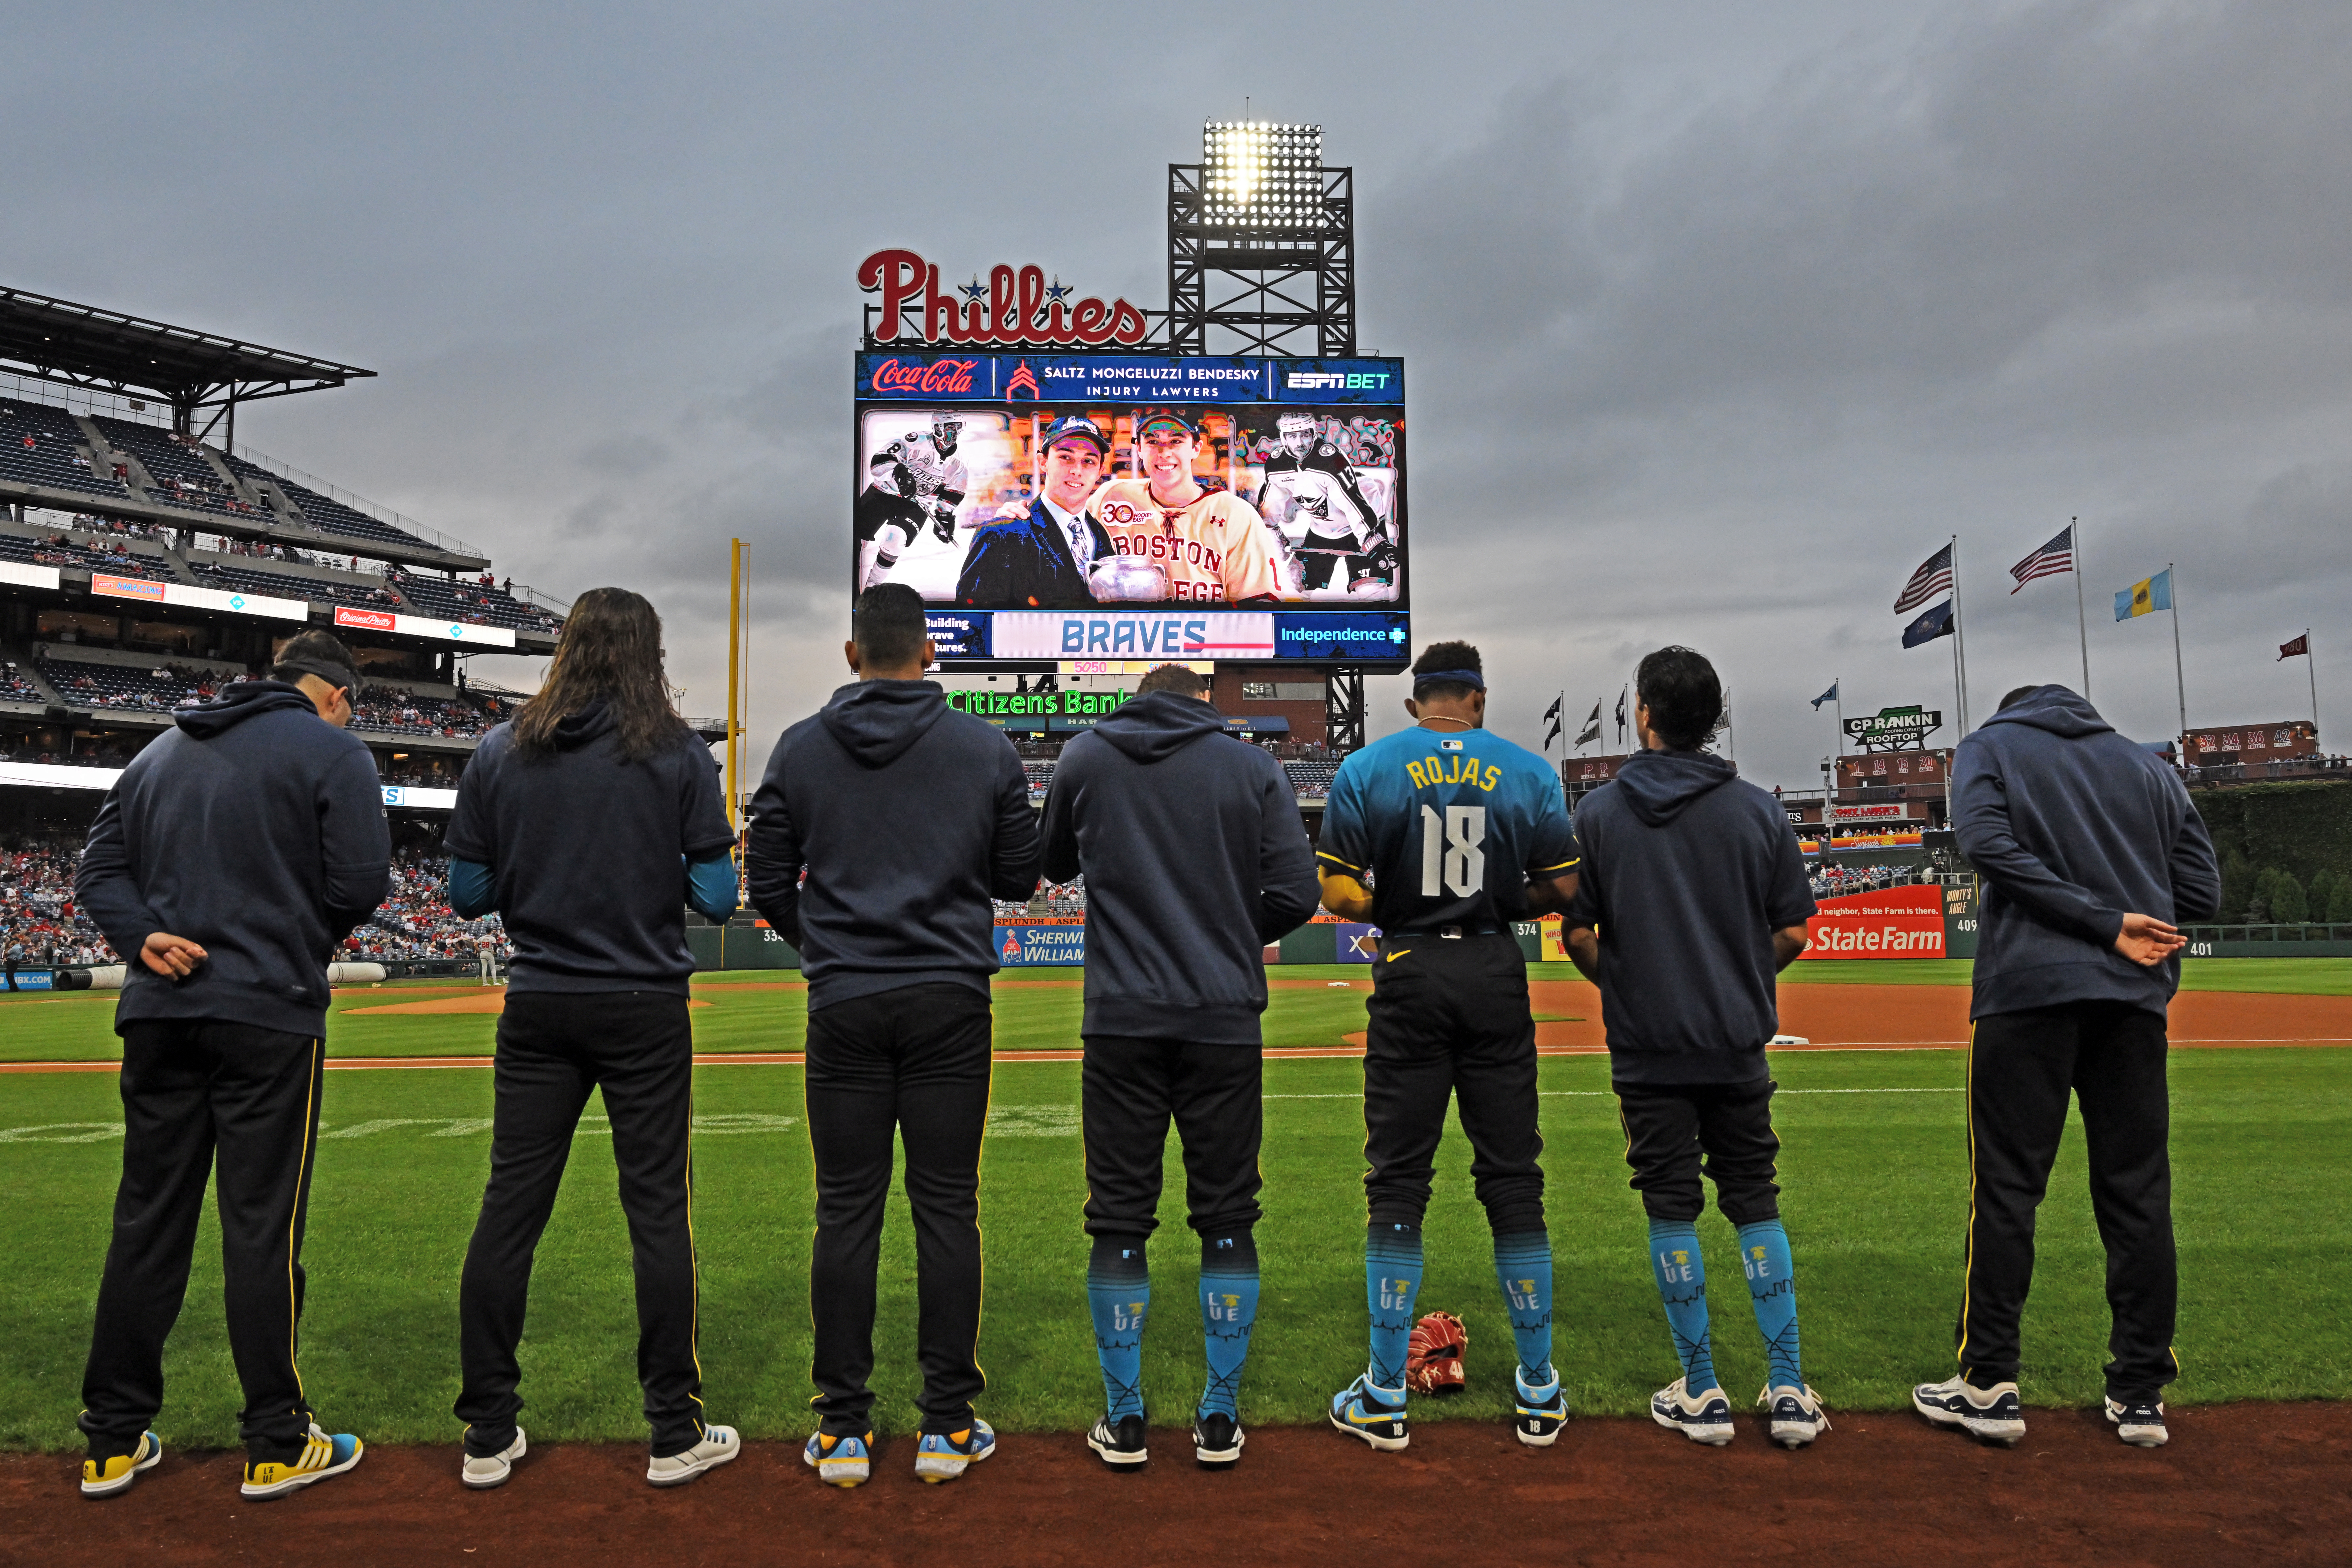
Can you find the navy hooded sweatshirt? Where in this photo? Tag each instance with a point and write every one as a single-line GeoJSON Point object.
{"type": "Point", "coordinates": [1688, 870]}
{"type": "Point", "coordinates": [1194, 856]}
{"type": "Point", "coordinates": [2071, 826]}
{"type": "Point", "coordinates": [257, 831]}
{"type": "Point", "coordinates": [909, 817]}
{"type": "Point", "coordinates": [584, 849]}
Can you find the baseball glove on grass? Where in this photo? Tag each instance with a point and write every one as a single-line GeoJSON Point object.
{"type": "Point", "coordinates": [1432, 1362]}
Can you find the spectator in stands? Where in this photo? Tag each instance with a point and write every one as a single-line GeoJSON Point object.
{"type": "Point", "coordinates": [225, 864]}
{"type": "Point", "coordinates": [2088, 849]}
{"type": "Point", "coordinates": [896, 939]}
{"type": "Point", "coordinates": [1195, 858]}
{"type": "Point", "coordinates": [596, 1000]}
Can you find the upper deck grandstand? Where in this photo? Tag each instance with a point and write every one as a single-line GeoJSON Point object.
{"type": "Point", "coordinates": [148, 560]}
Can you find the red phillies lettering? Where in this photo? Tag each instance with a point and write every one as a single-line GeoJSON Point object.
{"type": "Point", "coordinates": [1014, 308]}
{"type": "Point", "coordinates": [900, 274]}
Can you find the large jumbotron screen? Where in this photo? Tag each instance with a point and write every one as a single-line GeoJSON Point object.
{"type": "Point", "coordinates": [1093, 506]}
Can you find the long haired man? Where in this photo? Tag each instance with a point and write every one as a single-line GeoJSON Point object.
{"type": "Point", "coordinates": [590, 821]}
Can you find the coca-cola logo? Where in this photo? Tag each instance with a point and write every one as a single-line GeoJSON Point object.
{"type": "Point", "coordinates": [1016, 306]}
{"type": "Point", "coordinates": [946, 375]}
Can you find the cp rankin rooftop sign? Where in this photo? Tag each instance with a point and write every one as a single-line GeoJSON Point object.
{"type": "Point", "coordinates": [1896, 726]}
{"type": "Point", "coordinates": [1015, 306]}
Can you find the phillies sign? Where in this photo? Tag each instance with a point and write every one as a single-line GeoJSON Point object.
{"type": "Point", "coordinates": [1015, 306]}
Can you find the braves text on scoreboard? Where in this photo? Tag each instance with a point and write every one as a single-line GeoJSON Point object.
{"type": "Point", "coordinates": [1057, 505]}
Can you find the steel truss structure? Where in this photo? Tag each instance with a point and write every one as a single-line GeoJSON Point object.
{"type": "Point", "coordinates": [1287, 292]}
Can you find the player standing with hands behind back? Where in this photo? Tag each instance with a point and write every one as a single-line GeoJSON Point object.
{"type": "Point", "coordinates": [1699, 890]}
{"type": "Point", "coordinates": [1461, 833]}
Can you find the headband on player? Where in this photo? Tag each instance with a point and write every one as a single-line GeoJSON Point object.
{"type": "Point", "coordinates": [1469, 678]}
{"type": "Point", "coordinates": [332, 674]}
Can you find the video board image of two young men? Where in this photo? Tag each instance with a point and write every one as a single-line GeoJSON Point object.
{"type": "Point", "coordinates": [1040, 509]}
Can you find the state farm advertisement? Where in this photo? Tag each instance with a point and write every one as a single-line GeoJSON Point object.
{"type": "Point", "coordinates": [1895, 923]}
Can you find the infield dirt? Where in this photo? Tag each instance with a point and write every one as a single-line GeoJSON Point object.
{"type": "Point", "coordinates": [2241, 1484]}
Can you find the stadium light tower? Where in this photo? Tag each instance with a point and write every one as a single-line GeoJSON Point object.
{"type": "Point", "coordinates": [1261, 244]}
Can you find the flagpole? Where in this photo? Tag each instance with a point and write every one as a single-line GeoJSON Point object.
{"type": "Point", "coordinates": [1837, 753]}
{"type": "Point", "coordinates": [2180, 680]}
{"type": "Point", "coordinates": [2311, 668]}
{"type": "Point", "coordinates": [2081, 626]}
{"type": "Point", "coordinates": [1959, 642]}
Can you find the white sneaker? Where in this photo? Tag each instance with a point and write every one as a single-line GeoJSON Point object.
{"type": "Point", "coordinates": [719, 1447]}
{"type": "Point", "coordinates": [484, 1471]}
{"type": "Point", "coordinates": [1988, 1414]}
{"type": "Point", "coordinates": [2139, 1423]}
{"type": "Point", "coordinates": [1797, 1414]}
{"type": "Point", "coordinates": [1701, 1417]}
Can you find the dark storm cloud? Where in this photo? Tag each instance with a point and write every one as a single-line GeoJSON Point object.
{"type": "Point", "coordinates": [1729, 388]}
{"type": "Point", "coordinates": [1718, 317]}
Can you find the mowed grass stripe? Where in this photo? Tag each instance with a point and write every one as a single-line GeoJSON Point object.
{"type": "Point", "coordinates": [1875, 1181]}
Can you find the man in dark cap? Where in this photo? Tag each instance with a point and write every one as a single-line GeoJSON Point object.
{"type": "Point", "coordinates": [227, 864]}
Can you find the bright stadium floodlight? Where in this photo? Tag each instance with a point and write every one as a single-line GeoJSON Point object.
{"type": "Point", "coordinates": [1261, 175]}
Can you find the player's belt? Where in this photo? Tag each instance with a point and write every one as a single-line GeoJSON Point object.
{"type": "Point", "coordinates": [1450, 934]}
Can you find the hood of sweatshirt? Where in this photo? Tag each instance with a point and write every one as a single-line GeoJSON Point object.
{"type": "Point", "coordinates": [1661, 786]}
{"type": "Point", "coordinates": [876, 720]}
{"type": "Point", "coordinates": [1154, 728]}
{"type": "Point", "coordinates": [237, 704]}
{"type": "Point", "coordinates": [2055, 709]}
{"type": "Point", "coordinates": [581, 725]}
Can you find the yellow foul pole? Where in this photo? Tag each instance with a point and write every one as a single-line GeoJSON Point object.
{"type": "Point", "coordinates": [734, 674]}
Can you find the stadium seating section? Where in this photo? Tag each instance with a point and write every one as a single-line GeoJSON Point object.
{"type": "Point", "coordinates": [16, 687]}
{"type": "Point", "coordinates": [438, 598]}
{"type": "Point", "coordinates": [287, 586]}
{"type": "Point", "coordinates": [414, 918]}
{"type": "Point", "coordinates": [39, 921]}
{"type": "Point", "coordinates": [156, 690]}
{"type": "Point", "coordinates": [67, 555]}
{"type": "Point", "coordinates": [322, 512]}
{"type": "Point", "coordinates": [182, 477]}
{"type": "Point", "coordinates": [42, 446]}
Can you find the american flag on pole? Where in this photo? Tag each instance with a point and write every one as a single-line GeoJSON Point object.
{"type": "Point", "coordinates": [1934, 576]}
{"type": "Point", "coordinates": [2052, 559]}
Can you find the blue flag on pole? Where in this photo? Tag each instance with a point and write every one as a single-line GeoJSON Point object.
{"type": "Point", "coordinates": [1933, 623]}
{"type": "Point", "coordinates": [2146, 596]}
{"type": "Point", "coordinates": [1829, 695]}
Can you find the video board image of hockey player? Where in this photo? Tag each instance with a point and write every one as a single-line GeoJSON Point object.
{"type": "Point", "coordinates": [927, 479]}
{"type": "Point", "coordinates": [1178, 534]}
{"type": "Point", "coordinates": [1335, 514]}
{"type": "Point", "coordinates": [914, 482]}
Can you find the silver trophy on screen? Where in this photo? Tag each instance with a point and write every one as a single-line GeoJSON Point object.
{"type": "Point", "coordinates": [1124, 579]}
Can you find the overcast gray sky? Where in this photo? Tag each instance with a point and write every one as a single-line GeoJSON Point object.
{"type": "Point", "coordinates": [1717, 317]}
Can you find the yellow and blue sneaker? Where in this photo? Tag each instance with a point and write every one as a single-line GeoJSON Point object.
{"type": "Point", "coordinates": [944, 1456]}
{"type": "Point", "coordinates": [1364, 1409]}
{"type": "Point", "coordinates": [841, 1461]}
{"type": "Point", "coordinates": [1541, 1411]}
{"type": "Point", "coordinates": [322, 1456]}
{"type": "Point", "coordinates": [104, 1478]}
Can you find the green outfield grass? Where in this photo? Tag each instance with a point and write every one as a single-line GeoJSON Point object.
{"type": "Point", "coordinates": [762, 1010]}
{"type": "Point", "coordinates": [1875, 1173]}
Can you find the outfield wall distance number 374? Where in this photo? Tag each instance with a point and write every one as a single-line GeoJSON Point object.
{"type": "Point", "coordinates": [1453, 850]}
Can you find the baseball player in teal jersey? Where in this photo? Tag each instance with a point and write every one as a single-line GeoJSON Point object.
{"type": "Point", "coordinates": [1442, 836]}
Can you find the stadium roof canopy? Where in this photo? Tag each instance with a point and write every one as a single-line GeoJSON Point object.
{"type": "Point", "coordinates": [81, 346]}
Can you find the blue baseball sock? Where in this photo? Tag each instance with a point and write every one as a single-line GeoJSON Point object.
{"type": "Point", "coordinates": [1523, 1267]}
{"type": "Point", "coordinates": [1682, 1285]}
{"type": "Point", "coordinates": [1391, 1282]}
{"type": "Point", "coordinates": [1119, 1294]}
{"type": "Point", "coordinates": [1772, 1287]}
{"type": "Point", "coordinates": [1228, 1312]}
